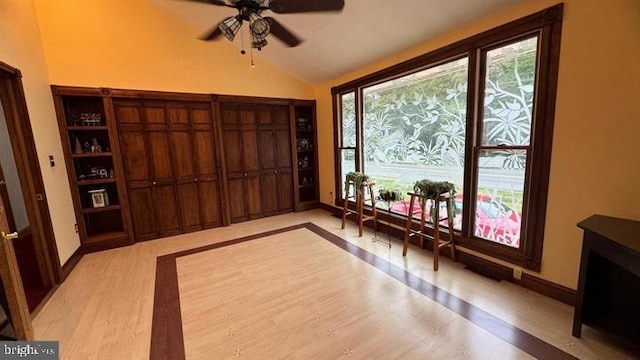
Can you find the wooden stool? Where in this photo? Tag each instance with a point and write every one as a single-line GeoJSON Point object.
{"type": "Point", "coordinates": [408, 232]}
{"type": "Point", "coordinates": [359, 196]}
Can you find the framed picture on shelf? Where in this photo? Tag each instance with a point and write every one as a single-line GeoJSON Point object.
{"type": "Point", "coordinates": [99, 198]}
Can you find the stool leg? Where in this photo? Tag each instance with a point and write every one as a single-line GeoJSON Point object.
{"type": "Point", "coordinates": [346, 204]}
{"type": "Point", "coordinates": [373, 207]}
{"type": "Point", "coordinates": [450, 217]}
{"type": "Point", "coordinates": [423, 209]}
{"type": "Point", "coordinates": [436, 234]}
{"type": "Point", "coordinates": [360, 209]}
{"type": "Point", "coordinates": [407, 228]}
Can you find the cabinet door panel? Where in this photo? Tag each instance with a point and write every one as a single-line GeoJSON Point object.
{"type": "Point", "coordinates": [182, 154]}
{"type": "Point", "coordinates": [210, 207]}
{"type": "Point", "coordinates": [164, 203]}
{"type": "Point", "coordinates": [134, 156]}
{"type": "Point", "coordinates": [178, 114]}
{"type": "Point", "coordinates": [236, 200]}
{"type": "Point", "coordinates": [282, 148]}
{"type": "Point", "coordinates": [232, 152]}
{"type": "Point", "coordinates": [154, 114]}
{"type": "Point", "coordinates": [189, 206]}
{"type": "Point", "coordinates": [267, 156]}
{"type": "Point", "coordinates": [160, 158]}
{"type": "Point", "coordinates": [269, 193]}
{"type": "Point", "coordinates": [284, 182]}
{"type": "Point", "coordinates": [205, 153]}
{"type": "Point", "coordinates": [201, 115]}
{"type": "Point", "coordinates": [127, 112]}
{"type": "Point", "coordinates": [253, 197]}
{"type": "Point", "coordinates": [141, 206]}
{"type": "Point", "coordinates": [250, 150]}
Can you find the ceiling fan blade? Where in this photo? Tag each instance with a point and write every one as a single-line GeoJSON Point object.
{"type": "Point", "coordinates": [213, 2]}
{"type": "Point", "coordinates": [282, 33]}
{"type": "Point", "coordinates": [212, 34]}
{"type": "Point", "coordinates": [302, 6]}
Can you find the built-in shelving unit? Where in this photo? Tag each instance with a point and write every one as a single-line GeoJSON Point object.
{"type": "Point", "coordinates": [304, 139]}
{"type": "Point", "coordinates": [87, 134]}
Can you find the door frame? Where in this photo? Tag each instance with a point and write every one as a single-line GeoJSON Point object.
{"type": "Point", "coordinates": [24, 150]}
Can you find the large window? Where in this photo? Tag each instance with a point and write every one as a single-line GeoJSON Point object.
{"type": "Point", "coordinates": [479, 114]}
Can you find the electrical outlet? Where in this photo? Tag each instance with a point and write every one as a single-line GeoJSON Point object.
{"type": "Point", "coordinates": [517, 273]}
{"type": "Point", "coordinates": [75, 226]}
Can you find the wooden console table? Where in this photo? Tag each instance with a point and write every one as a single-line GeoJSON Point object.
{"type": "Point", "coordinates": [609, 282]}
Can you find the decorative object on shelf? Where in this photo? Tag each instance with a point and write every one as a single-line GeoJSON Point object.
{"type": "Point", "coordinates": [112, 173]}
{"type": "Point", "coordinates": [87, 147]}
{"type": "Point", "coordinates": [303, 124]}
{"type": "Point", "coordinates": [304, 144]}
{"type": "Point", "coordinates": [77, 146]}
{"type": "Point", "coordinates": [305, 180]}
{"type": "Point", "coordinates": [95, 172]}
{"type": "Point", "coordinates": [90, 119]}
{"type": "Point", "coordinates": [305, 162]}
{"type": "Point", "coordinates": [99, 198]}
{"type": "Point", "coordinates": [95, 146]}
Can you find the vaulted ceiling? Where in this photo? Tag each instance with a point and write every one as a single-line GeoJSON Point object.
{"type": "Point", "coordinates": [337, 43]}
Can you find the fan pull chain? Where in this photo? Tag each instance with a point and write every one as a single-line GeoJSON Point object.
{"type": "Point", "coordinates": [242, 42]}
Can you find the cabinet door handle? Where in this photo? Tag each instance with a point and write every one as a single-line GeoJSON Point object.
{"type": "Point", "coordinates": [245, 174]}
{"type": "Point", "coordinates": [275, 171]}
{"type": "Point", "coordinates": [195, 179]}
{"type": "Point", "coordinates": [153, 182]}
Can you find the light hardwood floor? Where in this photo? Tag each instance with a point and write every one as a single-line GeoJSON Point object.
{"type": "Point", "coordinates": [283, 300]}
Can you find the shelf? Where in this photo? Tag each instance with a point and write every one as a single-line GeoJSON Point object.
{"type": "Point", "coordinates": [91, 155]}
{"type": "Point", "coordinates": [305, 150]}
{"type": "Point", "coordinates": [308, 131]}
{"type": "Point", "coordinates": [306, 185]}
{"type": "Point", "coordinates": [309, 168]}
{"type": "Point", "coordinates": [100, 209]}
{"type": "Point", "coordinates": [110, 235]}
{"type": "Point", "coordinates": [96, 181]}
{"type": "Point", "coordinates": [87, 128]}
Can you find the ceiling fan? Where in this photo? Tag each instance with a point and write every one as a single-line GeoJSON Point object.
{"type": "Point", "coordinates": [259, 27]}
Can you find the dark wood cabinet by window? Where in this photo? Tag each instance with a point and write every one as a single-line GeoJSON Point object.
{"type": "Point", "coordinates": [305, 140]}
{"type": "Point", "coordinates": [87, 131]}
{"type": "Point", "coordinates": [168, 152]}
{"type": "Point", "coordinates": [257, 153]}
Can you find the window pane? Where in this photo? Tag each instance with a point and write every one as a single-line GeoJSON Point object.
{"type": "Point", "coordinates": [509, 85]}
{"type": "Point", "coordinates": [414, 128]}
{"type": "Point", "coordinates": [347, 164]}
{"type": "Point", "coordinates": [348, 120]}
{"type": "Point", "coordinates": [500, 195]}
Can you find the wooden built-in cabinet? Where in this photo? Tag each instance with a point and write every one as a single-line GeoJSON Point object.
{"type": "Point", "coordinates": [171, 163]}
{"type": "Point", "coordinates": [257, 153]}
{"type": "Point", "coordinates": [169, 156]}
{"type": "Point", "coordinates": [90, 146]}
{"type": "Point", "coordinates": [304, 139]}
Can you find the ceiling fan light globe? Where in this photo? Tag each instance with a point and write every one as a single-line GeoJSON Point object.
{"type": "Point", "coordinates": [259, 26]}
{"type": "Point", "coordinates": [230, 27]}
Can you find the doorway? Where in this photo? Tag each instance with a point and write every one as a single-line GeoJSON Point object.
{"type": "Point", "coordinates": [22, 192]}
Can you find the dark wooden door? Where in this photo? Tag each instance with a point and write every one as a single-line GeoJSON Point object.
{"type": "Point", "coordinates": [275, 159]}
{"type": "Point", "coordinates": [168, 151]}
{"type": "Point", "coordinates": [258, 160]}
{"type": "Point", "coordinates": [240, 140]}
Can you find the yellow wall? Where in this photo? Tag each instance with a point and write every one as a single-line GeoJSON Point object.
{"type": "Point", "coordinates": [21, 48]}
{"type": "Point", "coordinates": [134, 44]}
{"type": "Point", "coordinates": [594, 166]}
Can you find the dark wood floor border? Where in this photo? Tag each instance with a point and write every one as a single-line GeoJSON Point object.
{"type": "Point", "coordinates": [167, 337]}
{"type": "Point", "coordinates": [486, 267]}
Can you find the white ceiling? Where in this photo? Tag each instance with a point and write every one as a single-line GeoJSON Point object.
{"type": "Point", "coordinates": [337, 43]}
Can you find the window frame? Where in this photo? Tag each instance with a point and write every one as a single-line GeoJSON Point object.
{"type": "Point", "coordinates": [547, 25]}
